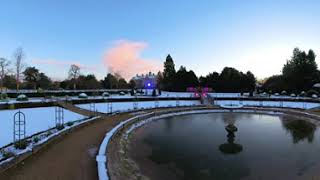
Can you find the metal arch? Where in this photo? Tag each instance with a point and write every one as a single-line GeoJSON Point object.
{"type": "Point", "coordinates": [19, 126]}
{"type": "Point", "coordinates": [59, 115]}
{"type": "Point", "coordinates": [109, 107]}
{"type": "Point", "coordinates": [92, 106]}
{"type": "Point", "coordinates": [177, 102]}
{"type": "Point", "coordinates": [281, 104]}
{"type": "Point", "coordinates": [135, 103]}
{"type": "Point", "coordinates": [156, 103]}
{"type": "Point", "coordinates": [260, 103]}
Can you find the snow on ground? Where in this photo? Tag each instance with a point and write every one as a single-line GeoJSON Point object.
{"type": "Point", "coordinates": [37, 119]}
{"type": "Point", "coordinates": [229, 95]}
{"type": "Point", "coordinates": [302, 105]}
{"type": "Point", "coordinates": [125, 106]}
{"type": "Point", "coordinates": [176, 94]}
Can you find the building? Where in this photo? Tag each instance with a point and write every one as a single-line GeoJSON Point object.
{"type": "Point", "coordinates": [145, 81]}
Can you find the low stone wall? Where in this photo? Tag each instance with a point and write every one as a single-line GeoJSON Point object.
{"type": "Point", "coordinates": [118, 134]}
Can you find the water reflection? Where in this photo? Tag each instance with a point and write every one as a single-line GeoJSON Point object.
{"type": "Point", "coordinates": [300, 130]}
{"type": "Point", "coordinates": [231, 147]}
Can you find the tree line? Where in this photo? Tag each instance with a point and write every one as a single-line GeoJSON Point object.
{"type": "Point", "coordinates": [229, 80]}
{"type": "Point", "coordinates": [299, 73]}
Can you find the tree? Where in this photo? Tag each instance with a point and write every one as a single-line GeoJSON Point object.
{"type": "Point", "coordinates": [18, 55]}
{"type": "Point", "coordinates": [184, 79]}
{"type": "Point", "coordinates": [44, 81]}
{"type": "Point", "coordinates": [88, 82]}
{"type": "Point", "coordinates": [110, 82]}
{"type": "Point", "coordinates": [160, 80]}
{"type": "Point", "coordinates": [132, 84]}
{"type": "Point", "coordinates": [169, 73]}
{"type": "Point", "coordinates": [9, 81]}
{"type": "Point", "coordinates": [4, 64]}
{"type": "Point", "coordinates": [300, 72]}
{"type": "Point", "coordinates": [249, 82]}
{"type": "Point", "coordinates": [229, 80]}
{"type": "Point", "coordinates": [122, 84]}
{"type": "Point", "coordinates": [211, 80]}
{"type": "Point", "coordinates": [31, 75]}
{"type": "Point", "coordinates": [74, 73]}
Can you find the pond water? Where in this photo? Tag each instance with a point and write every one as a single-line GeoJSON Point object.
{"type": "Point", "coordinates": [198, 147]}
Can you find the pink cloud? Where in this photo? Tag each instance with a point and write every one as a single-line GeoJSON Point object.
{"type": "Point", "coordinates": [63, 64]}
{"type": "Point", "coordinates": [125, 58]}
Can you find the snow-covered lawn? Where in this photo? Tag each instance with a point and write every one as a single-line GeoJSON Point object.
{"type": "Point", "coordinates": [176, 94]}
{"type": "Point", "coordinates": [302, 105]}
{"type": "Point", "coordinates": [37, 119]}
{"type": "Point", "coordinates": [125, 106]}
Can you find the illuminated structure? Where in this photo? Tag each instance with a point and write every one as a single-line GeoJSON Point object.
{"type": "Point", "coordinates": [146, 82]}
{"type": "Point", "coordinates": [199, 91]}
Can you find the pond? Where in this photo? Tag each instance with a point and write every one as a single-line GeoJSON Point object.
{"type": "Point", "coordinates": [199, 147]}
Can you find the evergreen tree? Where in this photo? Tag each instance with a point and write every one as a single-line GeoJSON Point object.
{"type": "Point", "coordinates": [300, 72]}
{"type": "Point", "coordinates": [169, 73]}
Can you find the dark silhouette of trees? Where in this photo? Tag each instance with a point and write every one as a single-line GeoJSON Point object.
{"type": "Point", "coordinates": [122, 84]}
{"type": "Point", "coordinates": [31, 77]}
{"type": "Point", "coordinates": [110, 82]}
{"type": "Point", "coordinates": [115, 81]}
{"type": "Point", "coordinates": [132, 84]}
{"type": "Point", "coordinates": [184, 79]}
{"type": "Point", "coordinates": [300, 73]}
{"type": "Point", "coordinates": [88, 82]}
{"type": "Point", "coordinates": [44, 81]}
{"type": "Point", "coordinates": [9, 81]}
{"type": "Point", "coordinates": [230, 79]}
{"type": "Point", "coordinates": [169, 73]}
{"type": "Point", "coordinates": [4, 70]}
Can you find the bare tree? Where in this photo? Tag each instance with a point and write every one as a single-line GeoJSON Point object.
{"type": "Point", "coordinates": [4, 70]}
{"type": "Point", "coordinates": [74, 73]}
{"type": "Point", "coordinates": [18, 63]}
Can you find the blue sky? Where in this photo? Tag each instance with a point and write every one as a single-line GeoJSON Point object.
{"type": "Point", "coordinates": [202, 35]}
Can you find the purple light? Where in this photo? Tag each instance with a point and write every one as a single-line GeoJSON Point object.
{"type": "Point", "coordinates": [149, 84]}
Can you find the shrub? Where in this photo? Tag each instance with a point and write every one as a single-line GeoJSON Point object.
{"type": "Point", "coordinates": [22, 97]}
{"type": "Point", "coordinates": [22, 144]}
{"type": "Point", "coordinates": [3, 96]}
{"type": "Point", "coordinates": [70, 123]}
{"type": "Point", "coordinates": [36, 139]}
{"type": "Point", "coordinates": [40, 91]}
{"type": "Point", "coordinates": [83, 96]}
{"type": "Point", "coordinates": [105, 94]}
{"type": "Point", "coordinates": [60, 127]}
{"type": "Point", "coordinates": [48, 133]}
{"type": "Point", "coordinates": [312, 92]}
{"type": "Point", "coordinates": [7, 154]}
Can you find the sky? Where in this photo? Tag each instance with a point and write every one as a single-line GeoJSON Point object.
{"type": "Point", "coordinates": [130, 37]}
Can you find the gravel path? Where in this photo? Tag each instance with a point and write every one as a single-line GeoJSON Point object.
{"type": "Point", "coordinates": [73, 157]}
